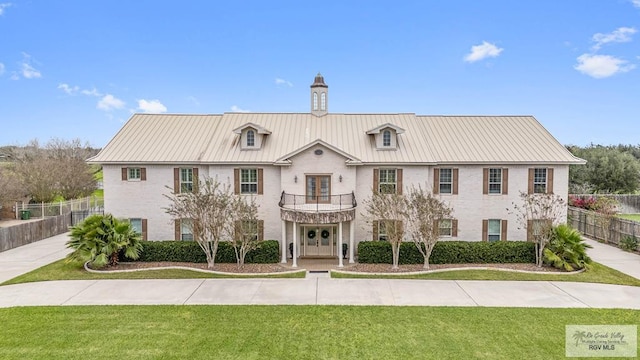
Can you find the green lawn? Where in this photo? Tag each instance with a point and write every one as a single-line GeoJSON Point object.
{"type": "Point", "coordinates": [61, 270]}
{"type": "Point", "coordinates": [292, 332]}
{"type": "Point", "coordinates": [633, 217]}
{"type": "Point", "coordinates": [597, 274]}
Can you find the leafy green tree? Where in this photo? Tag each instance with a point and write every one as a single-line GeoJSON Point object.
{"type": "Point", "coordinates": [608, 170]}
{"type": "Point", "coordinates": [99, 239]}
{"type": "Point", "coordinates": [567, 250]}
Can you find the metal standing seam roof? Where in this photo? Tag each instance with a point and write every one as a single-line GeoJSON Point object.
{"type": "Point", "coordinates": [193, 139]}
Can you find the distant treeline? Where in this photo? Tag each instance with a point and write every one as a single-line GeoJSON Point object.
{"type": "Point", "coordinates": [610, 169]}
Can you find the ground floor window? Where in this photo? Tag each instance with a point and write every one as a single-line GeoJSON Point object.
{"type": "Point", "coordinates": [494, 230]}
{"type": "Point", "coordinates": [186, 230]}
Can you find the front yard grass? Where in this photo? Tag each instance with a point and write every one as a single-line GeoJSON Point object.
{"type": "Point", "coordinates": [293, 332]}
{"type": "Point", "coordinates": [597, 274]}
{"type": "Point", "coordinates": [62, 270]}
{"type": "Point", "coordinates": [632, 217]}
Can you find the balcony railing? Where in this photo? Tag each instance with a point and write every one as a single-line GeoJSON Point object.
{"type": "Point", "coordinates": [322, 203]}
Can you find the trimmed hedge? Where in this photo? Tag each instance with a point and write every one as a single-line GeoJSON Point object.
{"type": "Point", "coordinates": [268, 252]}
{"type": "Point", "coordinates": [450, 252]}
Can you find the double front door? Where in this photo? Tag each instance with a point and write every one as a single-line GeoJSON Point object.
{"type": "Point", "coordinates": [318, 240]}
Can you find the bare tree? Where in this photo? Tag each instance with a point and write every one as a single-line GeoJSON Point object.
{"type": "Point", "coordinates": [11, 188]}
{"type": "Point", "coordinates": [387, 213]}
{"type": "Point", "coordinates": [209, 209]}
{"type": "Point", "coordinates": [58, 169]}
{"type": "Point", "coordinates": [538, 214]}
{"type": "Point", "coordinates": [247, 234]}
{"type": "Point", "coordinates": [424, 213]}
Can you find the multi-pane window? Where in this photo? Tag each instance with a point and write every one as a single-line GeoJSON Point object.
{"type": "Point", "coordinates": [136, 225]}
{"type": "Point", "coordinates": [186, 180]}
{"type": "Point", "coordinates": [494, 229]}
{"type": "Point", "coordinates": [387, 181]}
{"type": "Point", "coordinates": [133, 174]}
{"type": "Point", "coordinates": [186, 230]}
{"type": "Point", "coordinates": [251, 138]}
{"type": "Point", "coordinates": [495, 181]}
{"type": "Point", "coordinates": [445, 227]}
{"type": "Point", "coordinates": [315, 101]}
{"type": "Point", "coordinates": [323, 102]}
{"type": "Point", "coordinates": [386, 138]}
{"type": "Point", "coordinates": [382, 231]}
{"type": "Point", "coordinates": [540, 181]}
{"type": "Point", "coordinates": [248, 230]}
{"type": "Point", "coordinates": [446, 181]}
{"type": "Point", "coordinates": [248, 181]}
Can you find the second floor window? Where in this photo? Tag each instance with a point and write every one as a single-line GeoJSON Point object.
{"type": "Point", "coordinates": [248, 181]}
{"type": "Point", "coordinates": [388, 181]}
{"type": "Point", "coordinates": [495, 181]}
{"type": "Point", "coordinates": [133, 174]}
{"type": "Point", "coordinates": [186, 180]}
{"type": "Point", "coordinates": [446, 181]}
{"type": "Point", "coordinates": [540, 181]}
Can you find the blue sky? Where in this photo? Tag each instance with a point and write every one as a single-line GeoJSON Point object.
{"type": "Point", "coordinates": [79, 69]}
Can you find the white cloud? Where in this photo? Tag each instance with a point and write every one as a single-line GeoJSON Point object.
{"type": "Point", "coordinates": [235, 108]}
{"type": "Point", "coordinates": [92, 92]}
{"type": "Point", "coordinates": [483, 51]}
{"type": "Point", "coordinates": [4, 6]}
{"type": "Point", "coordinates": [26, 69]}
{"type": "Point", "coordinates": [151, 106]}
{"type": "Point", "coordinates": [1, 68]}
{"type": "Point", "coordinates": [602, 66]}
{"type": "Point", "coordinates": [280, 81]}
{"type": "Point", "coordinates": [636, 3]}
{"type": "Point", "coordinates": [69, 90]}
{"type": "Point", "coordinates": [110, 102]}
{"type": "Point", "coordinates": [619, 35]}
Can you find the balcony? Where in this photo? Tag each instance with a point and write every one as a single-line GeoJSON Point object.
{"type": "Point", "coordinates": [322, 209]}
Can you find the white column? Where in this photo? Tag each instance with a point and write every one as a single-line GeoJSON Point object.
{"type": "Point", "coordinates": [340, 264]}
{"type": "Point", "coordinates": [352, 235]}
{"type": "Point", "coordinates": [295, 245]}
{"type": "Point", "coordinates": [284, 242]}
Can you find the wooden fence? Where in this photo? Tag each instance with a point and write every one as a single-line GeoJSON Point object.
{"type": "Point", "coordinates": [597, 226]}
{"type": "Point", "coordinates": [33, 230]}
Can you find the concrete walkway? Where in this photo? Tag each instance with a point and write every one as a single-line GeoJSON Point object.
{"type": "Point", "coordinates": [314, 290]}
{"type": "Point", "coordinates": [29, 257]}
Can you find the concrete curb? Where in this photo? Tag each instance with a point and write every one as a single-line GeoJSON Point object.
{"type": "Point", "coordinates": [86, 267]}
{"type": "Point", "coordinates": [346, 272]}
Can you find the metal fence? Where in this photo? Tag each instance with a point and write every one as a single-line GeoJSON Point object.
{"type": "Point", "coordinates": [43, 210]}
{"type": "Point", "coordinates": [599, 227]}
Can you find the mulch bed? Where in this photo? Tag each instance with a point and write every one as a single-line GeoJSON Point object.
{"type": "Point", "coordinates": [370, 268]}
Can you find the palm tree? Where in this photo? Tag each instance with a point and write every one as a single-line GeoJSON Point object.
{"type": "Point", "coordinates": [99, 239]}
{"type": "Point", "coordinates": [566, 250]}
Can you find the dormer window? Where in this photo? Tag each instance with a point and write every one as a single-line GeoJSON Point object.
{"type": "Point", "coordinates": [251, 138]}
{"type": "Point", "coordinates": [315, 101]}
{"type": "Point", "coordinates": [386, 138]}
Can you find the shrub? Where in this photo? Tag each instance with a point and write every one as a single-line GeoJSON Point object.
{"type": "Point", "coordinates": [450, 252]}
{"type": "Point", "coordinates": [629, 243]}
{"type": "Point", "coordinates": [189, 251]}
{"type": "Point", "coordinates": [567, 250]}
